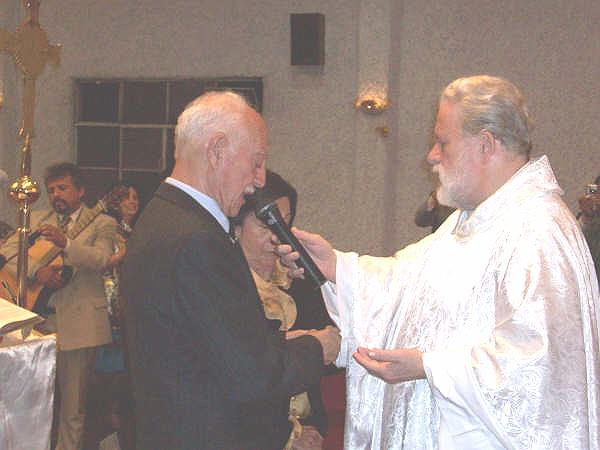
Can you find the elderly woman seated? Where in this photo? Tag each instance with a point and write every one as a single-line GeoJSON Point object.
{"type": "Point", "coordinates": [289, 305]}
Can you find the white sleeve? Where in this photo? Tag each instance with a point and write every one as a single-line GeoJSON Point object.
{"type": "Point", "coordinates": [339, 299]}
{"type": "Point", "coordinates": [363, 299]}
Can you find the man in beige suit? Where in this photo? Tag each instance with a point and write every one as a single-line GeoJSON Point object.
{"type": "Point", "coordinates": [79, 310]}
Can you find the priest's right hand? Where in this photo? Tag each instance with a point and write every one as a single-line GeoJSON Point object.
{"type": "Point", "coordinates": [50, 276]}
{"type": "Point", "coordinates": [319, 249]}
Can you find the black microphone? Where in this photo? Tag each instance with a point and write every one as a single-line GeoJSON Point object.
{"type": "Point", "coordinates": [270, 215]}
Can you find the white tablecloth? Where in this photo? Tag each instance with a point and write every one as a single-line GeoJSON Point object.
{"type": "Point", "coordinates": [27, 371]}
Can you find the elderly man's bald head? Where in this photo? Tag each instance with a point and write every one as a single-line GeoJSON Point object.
{"type": "Point", "coordinates": [211, 113]}
{"type": "Point", "coordinates": [221, 148]}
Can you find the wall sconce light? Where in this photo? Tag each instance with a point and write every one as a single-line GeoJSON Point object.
{"type": "Point", "coordinates": [372, 102]}
{"type": "Point", "coordinates": [371, 105]}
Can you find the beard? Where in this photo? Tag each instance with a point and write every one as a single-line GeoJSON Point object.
{"type": "Point", "coordinates": [453, 189]}
{"type": "Point", "coordinates": [60, 206]}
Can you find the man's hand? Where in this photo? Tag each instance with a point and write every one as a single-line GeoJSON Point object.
{"type": "Point", "coordinates": [330, 340]}
{"type": "Point", "coordinates": [392, 366]}
{"type": "Point", "coordinates": [590, 206]}
{"type": "Point", "coordinates": [54, 235]}
{"type": "Point", "coordinates": [319, 249]}
{"type": "Point", "coordinates": [50, 276]}
{"type": "Point", "coordinates": [116, 258]}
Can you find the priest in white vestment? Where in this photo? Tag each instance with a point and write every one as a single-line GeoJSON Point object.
{"type": "Point", "coordinates": [483, 335]}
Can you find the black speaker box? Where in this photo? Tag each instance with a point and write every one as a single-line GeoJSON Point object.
{"type": "Point", "coordinates": [308, 39]}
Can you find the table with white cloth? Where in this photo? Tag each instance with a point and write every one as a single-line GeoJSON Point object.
{"type": "Point", "coordinates": [27, 371]}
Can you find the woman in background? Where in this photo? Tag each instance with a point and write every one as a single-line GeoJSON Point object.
{"type": "Point", "coordinates": [124, 208]}
{"type": "Point", "coordinates": [289, 305]}
{"type": "Point", "coordinates": [113, 403]}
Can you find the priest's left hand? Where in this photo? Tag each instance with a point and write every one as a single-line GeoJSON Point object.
{"type": "Point", "coordinates": [392, 366]}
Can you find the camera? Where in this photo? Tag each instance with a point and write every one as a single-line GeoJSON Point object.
{"type": "Point", "coordinates": [591, 189]}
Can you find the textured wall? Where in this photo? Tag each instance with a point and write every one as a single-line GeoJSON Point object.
{"type": "Point", "coordinates": [357, 188]}
{"type": "Point", "coordinates": [8, 138]}
{"type": "Point", "coordinates": [549, 48]}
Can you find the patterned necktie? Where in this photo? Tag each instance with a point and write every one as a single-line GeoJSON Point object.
{"type": "Point", "coordinates": [232, 236]}
{"type": "Point", "coordinates": [63, 222]}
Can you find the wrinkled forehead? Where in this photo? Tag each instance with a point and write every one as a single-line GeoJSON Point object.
{"type": "Point", "coordinates": [253, 130]}
{"type": "Point", "coordinates": [257, 126]}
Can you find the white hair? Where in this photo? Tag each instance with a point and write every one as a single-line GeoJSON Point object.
{"type": "Point", "coordinates": [211, 112]}
{"type": "Point", "coordinates": [493, 104]}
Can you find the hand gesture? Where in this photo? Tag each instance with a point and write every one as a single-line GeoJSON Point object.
{"type": "Point", "coordinates": [54, 235]}
{"type": "Point", "coordinates": [319, 249]}
{"type": "Point", "coordinates": [392, 366]}
{"type": "Point", "coordinates": [116, 258]}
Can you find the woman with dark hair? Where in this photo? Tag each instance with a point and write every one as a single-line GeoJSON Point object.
{"type": "Point", "coordinates": [288, 305]}
{"type": "Point", "coordinates": [124, 207]}
{"type": "Point", "coordinates": [114, 403]}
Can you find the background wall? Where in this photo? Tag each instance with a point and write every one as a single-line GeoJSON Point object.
{"type": "Point", "coordinates": [8, 111]}
{"type": "Point", "coordinates": [356, 187]}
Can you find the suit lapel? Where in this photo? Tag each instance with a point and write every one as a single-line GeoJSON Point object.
{"type": "Point", "coordinates": [175, 195]}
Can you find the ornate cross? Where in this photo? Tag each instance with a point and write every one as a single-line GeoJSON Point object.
{"type": "Point", "coordinates": [31, 50]}
{"type": "Point", "coordinates": [30, 47]}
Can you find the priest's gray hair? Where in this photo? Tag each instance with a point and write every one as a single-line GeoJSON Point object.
{"type": "Point", "coordinates": [212, 112]}
{"type": "Point", "coordinates": [493, 104]}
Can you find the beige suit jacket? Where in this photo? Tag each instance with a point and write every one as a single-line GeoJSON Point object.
{"type": "Point", "coordinates": [81, 308]}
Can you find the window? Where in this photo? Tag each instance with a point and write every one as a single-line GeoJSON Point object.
{"type": "Point", "coordinates": [124, 129]}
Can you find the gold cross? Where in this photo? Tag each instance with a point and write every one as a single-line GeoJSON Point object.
{"type": "Point", "coordinates": [30, 47]}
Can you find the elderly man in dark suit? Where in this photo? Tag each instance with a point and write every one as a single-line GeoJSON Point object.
{"type": "Point", "coordinates": [208, 370]}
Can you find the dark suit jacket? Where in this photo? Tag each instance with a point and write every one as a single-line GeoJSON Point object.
{"type": "Point", "coordinates": [208, 371]}
{"type": "Point", "coordinates": [312, 314]}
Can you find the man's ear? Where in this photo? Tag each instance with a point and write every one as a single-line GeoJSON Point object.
{"type": "Point", "coordinates": [216, 147]}
{"type": "Point", "coordinates": [81, 192]}
{"type": "Point", "coordinates": [488, 143]}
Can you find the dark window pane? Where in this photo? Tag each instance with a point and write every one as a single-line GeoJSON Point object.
{"type": "Point", "coordinates": [170, 152]}
{"type": "Point", "coordinates": [97, 184]}
{"type": "Point", "coordinates": [144, 102]}
{"type": "Point", "coordinates": [143, 182]}
{"type": "Point", "coordinates": [98, 101]}
{"type": "Point", "coordinates": [142, 148]}
{"type": "Point", "coordinates": [98, 146]}
{"type": "Point", "coordinates": [182, 92]}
